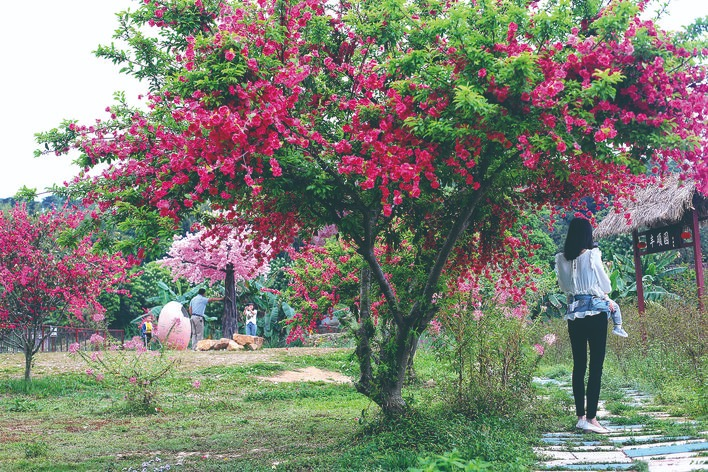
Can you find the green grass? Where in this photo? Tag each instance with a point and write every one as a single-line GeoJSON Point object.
{"type": "Point", "coordinates": [237, 421]}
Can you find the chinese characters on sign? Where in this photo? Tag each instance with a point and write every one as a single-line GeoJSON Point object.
{"type": "Point", "coordinates": [663, 239]}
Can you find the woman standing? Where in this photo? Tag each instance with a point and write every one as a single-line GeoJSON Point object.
{"type": "Point", "coordinates": [581, 275]}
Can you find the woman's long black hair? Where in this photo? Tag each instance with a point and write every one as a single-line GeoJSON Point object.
{"type": "Point", "coordinates": [579, 237]}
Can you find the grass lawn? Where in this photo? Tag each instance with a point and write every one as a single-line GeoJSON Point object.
{"type": "Point", "coordinates": [235, 420]}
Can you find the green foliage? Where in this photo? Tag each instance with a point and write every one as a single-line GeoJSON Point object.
{"type": "Point", "coordinates": [26, 194]}
{"type": "Point", "coordinates": [656, 268]}
{"type": "Point", "coordinates": [150, 287]}
{"type": "Point", "coordinates": [492, 357]}
{"type": "Point", "coordinates": [148, 56]}
{"type": "Point", "coordinates": [36, 449]}
{"type": "Point", "coordinates": [22, 405]}
{"type": "Point", "coordinates": [450, 461]}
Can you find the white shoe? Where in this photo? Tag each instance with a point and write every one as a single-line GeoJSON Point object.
{"type": "Point", "coordinates": [619, 331]}
{"type": "Point", "coordinates": [588, 427]}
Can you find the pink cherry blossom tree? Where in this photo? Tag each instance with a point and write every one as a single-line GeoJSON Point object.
{"type": "Point", "coordinates": [209, 256]}
{"type": "Point", "coordinates": [48, 274]}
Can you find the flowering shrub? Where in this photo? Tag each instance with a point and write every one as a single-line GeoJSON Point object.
{"type": "Point", "coordinates": [489, 341]}
{"type": "Point", "coordinates": [324, 277]}
{"type": "Point", "coordinates": [130, 368]}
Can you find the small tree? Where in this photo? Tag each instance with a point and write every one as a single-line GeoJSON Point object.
{"type": "Point", "coordinates": [49, 275]}
{"type": "Point", "coordinates": [206, 256]}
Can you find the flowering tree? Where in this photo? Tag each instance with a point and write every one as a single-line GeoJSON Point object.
{"type": "Point", "coordinates": [323, 276]}
{"type": "Point", "coordinates": [48, 276]}
{"type": "Point", "coordinates": [229, 256]}
{"type": "Point", "coordinates": [432, 124]}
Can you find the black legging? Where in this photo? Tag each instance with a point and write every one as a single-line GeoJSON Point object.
{"type": "Point", "coordinates": [592, 331]}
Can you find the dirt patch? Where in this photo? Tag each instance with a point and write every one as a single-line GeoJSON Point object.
{"type": "Point", "coordinates": [50, 363]}
{"type": "Point", "coordinates": [308, 374]}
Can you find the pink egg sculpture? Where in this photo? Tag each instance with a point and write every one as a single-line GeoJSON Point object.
{"type": "Point", "coordinates": [173, 326]}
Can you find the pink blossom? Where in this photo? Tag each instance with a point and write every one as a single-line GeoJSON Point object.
{"type": "Point", "coordinates": [229, 55]}
{"type": "Point", "coordinates": [600, 136]}
{"type": "Point", "coordinates": [435, 327]}
{"type": "Point", "coordinates": [133, 380]}
{"type": "Point", "coordinates": [98, 317]}
{"type": "Point", "coordinates": [74, 348]}
{"type": "Point", "coordinates": [89, 371]}
{"type": "Point", "coordinates": [96, 339]}
{"type": "Point", "coordinates": [539, 349]}
{"type": "Point", "coordinates": [549, 339]}
{"type": "Point", "coordinates": [196, 384]}
{"type": "Point", "coordinates": [482, 73]}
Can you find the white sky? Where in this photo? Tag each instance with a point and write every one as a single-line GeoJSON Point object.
{"type": "Point", "coordinates": [50, 74]}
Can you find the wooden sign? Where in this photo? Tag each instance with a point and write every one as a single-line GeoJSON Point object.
{"type": "Point", "coordinates": [665, 238]}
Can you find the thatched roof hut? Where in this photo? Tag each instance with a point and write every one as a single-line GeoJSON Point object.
{"type": "Point", "coordinates": [654, 206]}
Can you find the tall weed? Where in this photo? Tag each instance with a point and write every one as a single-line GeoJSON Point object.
{"type": "Point", "coordinates": [494, 357]}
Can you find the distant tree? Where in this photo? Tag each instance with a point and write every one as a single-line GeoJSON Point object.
{"type": "Point", "coordinates": [210, 256]}
{"type": "Point", "coordinates": [49, 275]}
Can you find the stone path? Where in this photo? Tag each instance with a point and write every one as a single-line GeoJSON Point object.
{"type": "Point", "coordinates": [627, 446]}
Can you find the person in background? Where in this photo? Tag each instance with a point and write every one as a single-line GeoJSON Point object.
{"type": "Point", "coordinates": [251, 316]}
{"type": "Point", "coordinates": [197, 309]}
{"type": "Point", "coordinates": [582, 276]}
{"type": "Point", "coordinates": [146, 329]}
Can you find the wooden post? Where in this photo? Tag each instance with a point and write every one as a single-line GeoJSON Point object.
{"type": "Point", "coordinates": [640, 287]}
{"type": "Point", "coordinates": [698, 257]}
{"type": "Point", "coordinates": [638, 271]}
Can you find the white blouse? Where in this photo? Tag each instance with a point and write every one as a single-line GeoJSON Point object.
{"type": "Point", "coordinates": [585, 275]}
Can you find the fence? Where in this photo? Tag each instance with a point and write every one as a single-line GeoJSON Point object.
{"type": "Point", "coordinates": [59, 338]}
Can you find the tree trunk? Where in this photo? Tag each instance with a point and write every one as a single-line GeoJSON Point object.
{"type": "Point", "coordinates": [364, 334]}
{"type": "Point", "coordinates": [395, 361]}
{"type": "Point", "coordinates": [230, 319]}
{"type": "Point", "coordinates": [29, 339]}
{"type": "Point", "coordinates": [385, 385]}
{"type": "Point", "coordinates": [28, 365]}
{"type": "Point", "coordinates": [411, 376]}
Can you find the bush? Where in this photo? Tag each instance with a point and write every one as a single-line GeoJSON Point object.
{"type": "Point", "coordinates": [130, 368]}
{"type": "Point", "coordinates": [493, 357]}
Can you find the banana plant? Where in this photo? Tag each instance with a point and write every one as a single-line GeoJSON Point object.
{"type": "Point", "coordinates": [274, 323]}
{"type": "Point", "coordinates": [655, 269]}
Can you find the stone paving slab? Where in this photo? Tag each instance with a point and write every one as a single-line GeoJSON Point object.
{"type": "Point", "coordinates": [580, 448]}
{"type": "Point", "coordinates": [565, 458]}
{"type": "Point", "coordinates": [599, 467]}
{"type": "Point", "coordinates": [666, 448]}
{"type": "Point", "coordinates": [625, 427]}
{"type": "Point", "coordinates": [651, 438]}
{"type": "Point", "coordinates": [678, 464]}
{"type": "Point", "coordinates": [559, 441]}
